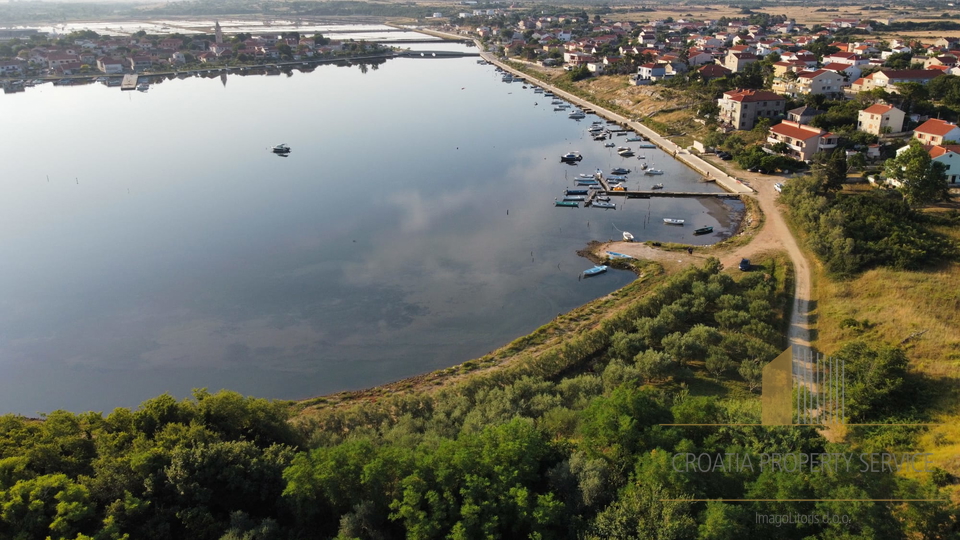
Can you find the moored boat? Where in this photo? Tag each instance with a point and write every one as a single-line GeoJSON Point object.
{"type": "Point", "coordinates": [576, 114]}
{"type": "Point", "coordinates": [602, 204]}
{"type": "Point", "coordinates": [574, 197]}
{"type": "Point", "coordinates": [595, 270]}
{"type": "Point", "coordinates": [673, 221]}
{"type": "Point", "coordinates": [281, 149]}
{"type": "Point", "coordinates": [575, 192]}
{"type": "Point", "coordinates": [634, 138]}
{"type": "Point", "coordinates": [652, 172]}
{"type": "Point", "coordinates": [619, 170]}
{"type": "Point", "coordinates": [585, 182]}
{"type": "Point", "coordinates": [609, 144]}
{"type": "Point", "coordinates": [656, 186]}
{"type": "Point", "coordinates": [571, 156]}
{"type": "Point", "coordinates": [587, 176]}
{"type": "Point", "coordinates": [617, 178]}
{"type": "Point", "coordinates": [703, 230]}
{"type": "Point", "coordinates": [646, 145]}
{"type": "Point", "coordinates": [571, 204]}
{"type": "Point", "coordinates": [626, 153]}
{"type": "Point", "coordinates": [627, 237]}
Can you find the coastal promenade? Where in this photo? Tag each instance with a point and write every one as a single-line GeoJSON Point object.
{"type": "Point", "coordinates": [682, 155]}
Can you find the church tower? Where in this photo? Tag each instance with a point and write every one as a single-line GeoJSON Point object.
{"type": "Point", "coordinates": [218, 31]}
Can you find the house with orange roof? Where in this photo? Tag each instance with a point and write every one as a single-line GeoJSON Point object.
{"type": "Point", "coordinates": [935, 131]}
{"type": "Point", "coordinates": [949, 155]}
{"type": "Point", "coordinates": [817, 82]}
{"type": "Point", "coordinates": [876, 117]}
{"type": "Point", "coordinates": [888, 78]}
{"type": "Point", "coordinates": [803, 141]}
{"type": "Point", "coordinates": [740, 108]}
{"type": "Point", "coordinates": [737, 61]}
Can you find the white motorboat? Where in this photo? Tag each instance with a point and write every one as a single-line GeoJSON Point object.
{"type": "Point", "coordinates": [627, 237]}
{"type": "Point", "coordinates": [577, 115]}
{"type": "Point", "coordinates": [143, 87]}
{"type": "Point", "coordinates": [652, 172]}
{"type": "Point", "coordinates": [595, 128]}
{"type": "Point", "coordinates": [656, 186]}
{"type": "Point", "coordinates": [673, 221]}
{"type": "Point", "coordinates": [281, 149]}
{"type": "Point", "coordinates": [571, 156]}
{"type": "Point", "coordinates": [610, 144]}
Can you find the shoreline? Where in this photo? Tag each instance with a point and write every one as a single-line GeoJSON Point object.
{"type": "Point", "coordinates": [694, 162]}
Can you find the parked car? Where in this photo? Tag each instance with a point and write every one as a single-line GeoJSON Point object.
{"type": "Point", "coordinates": [744, 265]}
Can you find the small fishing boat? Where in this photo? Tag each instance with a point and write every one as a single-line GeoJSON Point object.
{"type": "Point", "coordinates": [595, 128]}
{"type": "Point", "coordinates": [703, 230]}
{"type": "Point", "coordinates": [595, 270]}
{"type": "Point", "coordinates": [595, 186]}
{"type": "Point", "coordinates": [626, 153]}
{"type": "Point", "coordinates": [601, 204]}
{"type": "Point", "coordinates": [602, 198]}
{"type": "Point", "coordinates": [620, 170]}
{"type": "Point", "coordinates": [574, 192]}
{"type": "Point", "coordinates": [641, 156]}
{"type": "Point", "coordinates": [556, 102]}
{"type": "Point", "coordinates": [646, 145]}
{"type": "Point", "coordinates": [634, 138]}
{"type": "Point", "coordinates": [576, 115]}
{"type": "Point", "coordinates": [571, 156]}
{"type": "Point", "coordinates": [587, 182]}
{"type": "Point", "coordinates": [538, 90]}
{"type": "Point", "coordinates": [672, 221]}
{"type": "Point", "coordinates": [574, 197]}
{"type": "Point", "coordinates": [615, 255]}
{"type": "Point", "coordinates": [616, 178]}
{"type": "Point", "coordinates": [281, 149]}
{"type": "Point", "coordinates": [571, 204]}
{"type": "Point", "coordinates": [656, 186]}
{"type": "Point", "coordinates": [587, 176]}
{"type": "Point", "coordinates": [609, 144]}
{"type": "Point", "coordinates": [627, 237]}
{"type": "Point", "coordinates": [652, 172]}
{"type": "Point", "coordinates": [558, 108]}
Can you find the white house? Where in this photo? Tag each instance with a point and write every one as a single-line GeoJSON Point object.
{"type": "Point", "coordinates": [107, 64]}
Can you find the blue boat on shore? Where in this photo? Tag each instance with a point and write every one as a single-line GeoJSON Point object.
{"type": "Point", "coordinates": [595, 270]}
{"type": "Point", "coordinates": [615, 255]}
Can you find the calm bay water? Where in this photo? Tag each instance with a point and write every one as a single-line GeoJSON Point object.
{"type": "Point", "coordinates": [411, 228]}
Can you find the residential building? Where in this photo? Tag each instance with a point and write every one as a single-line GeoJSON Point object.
{"type": "Point", "coordinates": [949, 155]}
{"type": "Point", "coordinates": [935, 131]}
{"type": "Point", "coordinates": [819, 82]}
{"type": "Point", "coordinates": [875, 118]}
{"type": "Point", "coordinates": [887, 79]}
{"type": "Point", "coordinates": [647, 73]}
{"type": "Point", "coordinates": [107, 64]}
{"type": "Point", "coordinates": [802, 115]}
{"type": "Point", "coordinates": [803, 141]}
{"type": "Point", "coordinates": [138, 63]}
{"type": "Point", "coordinates": [741, 108]}
{"type": "Point", "coordinates": [713, 71]}
{"type": "Point", "coordinates": [738, 61]}
{"type": "Point", "coordinates": [11, 67]}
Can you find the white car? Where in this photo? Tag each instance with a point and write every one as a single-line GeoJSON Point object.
{"type": "Point", "coordinates": [779, 187]}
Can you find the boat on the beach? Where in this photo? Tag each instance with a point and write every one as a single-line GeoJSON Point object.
{"type": "Point", "coordinates": [652, 172]}
{"type": "Point", "coordinates": [281, 149]}
{"type": "Point", "coordinates": [615, 255]}
{"type": "Point", "coordinates": [703, 230]}
{"type": "Point", "coordinates": [571, 156]}
{"type": "Point", "coordinates": [602, 204]}
{"type": "Point", "coordinates": [627, 237]}
{"type": "Point", "coordinates": [672, 221]}
{"type": "Point", "coordinates": [620, 170]}
{"type": "Point", "coordinates": [656, 186]}
{"type": "Point", "coordinates": [571, 204]}
{"type": "Point", "coordinates": [595, 270]}
{"type": "Point", "coordinates": [575, 192]}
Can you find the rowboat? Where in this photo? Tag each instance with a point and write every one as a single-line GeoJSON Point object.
{"type": "Point", "coordinates": [615, 255]}
{"type": "Point", "coordinates": [587, 182]}
{"type": "Point", "coordinates": [652, 171]}
{"type": "Point", "coordinates": [602, 198]}
{"type": "Point", "coordinates": [627, 237]}
{"type": "Point", "coordinates": [617, 178]}
{"type": "Point", "coordinates": [587, 176]}
{"type": "Point", "coordinates": [634, 138]}
{"type": "Point", "coordinates": [656, 186]}
{"type": "Point", "coordinates": [575, 192]}
{"type": "Point", "coordinates": [609, 144]}
{"type": "Point", "coordinates": [646, 145]}
{"type": "Point", "coordinates": [595, 270]}
{"type": "Point", "coordinates": [572, 204]}
{"type": "Point", "coordinates": [703, 230]}
{"type": "Point", "coordinates": [574, 197]}
{"type": "Point", "coordinates": [607, 205]}
{"type": "Point", "coordinates": [672, 221]}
